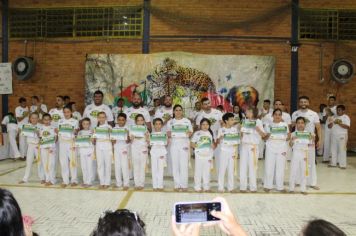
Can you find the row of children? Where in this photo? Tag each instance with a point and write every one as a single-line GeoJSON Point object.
{"type": "Point", "coordinates": [129, 145]}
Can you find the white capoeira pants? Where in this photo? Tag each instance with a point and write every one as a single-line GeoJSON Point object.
{"type": "Point", "coordinates": [226, 165]}
{"type": "Point", "coordinates": [202, 172]}
{"type": "Point", "coordinates": [32, 154]}
{"type": "Point", "coordinates": [338, 150]}
{"type": "Point", "coordinates": [158, 161]}
{"type": "Point", "coordinates": [122, 165]}
{"type": "Point", "coordinates": [248, 165]}
{"type": "Point", "coordinates": [327, 144]}
{"type": "Point", "coordinates": [299, 169]}
{"type": "Point", "coordinates": [275, 163]}
{"type": "Point", "coordinates": [14, 150]}
{"type": "Point", "coordinates": [22, 145]}
{"type": "Point", "coordinates": [180, 153]}
{"type": "Point", "coordinates": [261, 148]}
{"type": "Point", "coordinates": [68, 161]}
{"type": "Point", "coordinates": [86, 155]}
{"type": "Point", "coordinates": [104, 158]}
{"type": "Point", "coordinates": [48, 159]}
{"type": "Point", "coordinates": [139, 154]}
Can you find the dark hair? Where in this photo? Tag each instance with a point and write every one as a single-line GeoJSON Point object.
{"type": "Point", "coordinates": [341, 107]}
{"type": "Point", "coordinates": [98, 92]}
{"type": "Point", "coordinates": [35, 97]}
{"type": "Point", "coordinates": [322, 105]}
{"type": "Point", "coordinates": [81, 122]}
{"type": "Point", "coordinates": [70, 104]}
{"type": "Point", "coordinates": [139, 115]}
{"type": "Point", "coordinates": [204, 99]}
{"type": "Point", "coordinates": [60, 96]}
{"type": "Point", "coordinates": [121, 114]}
{"type": "Point", "coordinates": [303, 97]}
{"type": "Point", "coordinates": [267, 100]}
{"type": "Point", "coordinates": [300, 118]}
{"type": "Point", "coordinates": [22, 99]}
{"type": "Point", "coordinates": [156, 120]}
{"type": "Point", "coordinates": [66, 97]}
{"type": "Point", "coordinates": [277, 100]}
{"type": "Point", "coordinates": [275, 110]}
{"type": "Point", "coordinates": [11, 223]}
{"type": "Point", "coordinates": [68, 107]}
{"type": "Point", "coordinates": [254, 111]}
{"type": "Point", "coordinates": [227, 116]}
{"type": "Point", "coordinates": [121, 222]}
{"type": "Point", "coordinates": [240, 111]}
{"type": "Point", "coordinates": [220, 107]}
{"type": "Point", "coordinates": [175, 107]}
{"type": "Point", "coordinates": [46, 115]}
{"type": "Point", "coordinates": [208, 121]}
{"type": "Point", "coordinates": [321, 227]}
{"type": "Point", "coordinates": [156, 99]}
{"type": "Point", "coordinates": [332, 97]}
{"type": "Point", "coordinates": [120, 99]}
{"type": "Point", "coordinates": [34, 113]}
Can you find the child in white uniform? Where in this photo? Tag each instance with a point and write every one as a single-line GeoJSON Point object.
{"type": "Point", "coordinates": [179, 129]}
{"type": "Point", "coordinates": [139, 150]}
{"type": "Point", "coordinates": [67, 128]}
{"type": "Point", "coordinates": [339, 129]}
{"type": "Point", "coordinates": [48, 149]}
{"type": "Point", "coordinates": [300, 140]}
{"type": "Point", "coordinates": [32, 149]}
{"type": "Point", "coordinates": [158, 154]}
{"type": "Point", "coordinates": [85, 148]}
{"type": "Point", "coordinates": [276, 151]}
{"type": "Point", "coordinates": [203, 144]}
{"type": "Point", "coordinates": [104, 153]}
{"type": "Point", "coordinates": [228, 139]}
{"type": "Point", "coordinates": [121, 152]}
{"type": "Point", "coordinates": [252, 131]}
{"type": "Point", "coordinates": [12, 131]}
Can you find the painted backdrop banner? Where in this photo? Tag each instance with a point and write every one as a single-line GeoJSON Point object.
{"type": "Point", "coordinates": [226, 79]}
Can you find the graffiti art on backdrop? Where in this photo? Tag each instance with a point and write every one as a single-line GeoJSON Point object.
{"type": "Point", "coordinates": [187, 77]}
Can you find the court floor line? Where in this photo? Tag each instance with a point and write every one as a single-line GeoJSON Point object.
{"type": "Point", "coordinates": [131, 191]}
{"type": "Point", "coordinates": [12, 170]}
{"type": "Point", "coordinates": [126, 199]}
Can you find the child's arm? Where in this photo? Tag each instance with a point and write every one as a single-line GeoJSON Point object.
{"type": "Point", "coordinates": [193, 145]}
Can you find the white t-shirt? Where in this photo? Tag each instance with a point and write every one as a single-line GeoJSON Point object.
{"type": "Point", "coordinates": [91, 111]}
{"type": "Point", "coordinates": [333, 110]}
{"type": "Point", "coordinates": [76, 115]}
{"type": "Point", "coordinates": [201, 136]}
{"type": "Point", "coordinates": [215, 117]}
{"type": "Point", "coordinates": [68, 122]}
{"type": "Point", "coordinates": [193, 114]}
{"type": "Point", "coordinates": [253, 137]}
{"type": "Point", "coordinates": [10, 122]}
{"type": "Point", "coordinates": [221, 132]}
{"type": "Point", "coordinates": [47, 131]}
{"type": "Point", "coordinates": [19, 112]}
{"type": "Point", "coordinates": [164, 113]}
{"type": "Point", "coordinates": [33, 108]}
{"type": "Point", "coordinates": [337, 130]}
{"type": "Point", "coordinates": [311, 119]}
{"type": "Point", "coordinates": [116, 110]}
{"type": "Point", "coordinates": [285, 117]}
{"type": "Point", "coordinates": [132, 112]}
{"type": "Point", "coordinates": [56, 115]}
{"type": "Point", "coordinates": [183, 121]}
{"type": "Point", "coordinates": [281, 142]}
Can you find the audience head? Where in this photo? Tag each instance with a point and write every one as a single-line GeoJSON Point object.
{"type": "Point", "coordinates": [98, 97]}
{"type": "Point", "coordinates": [11, 223]}
{"type": "Point", "coordinates": [121, 222]}
{"type": "Point", "coordinates": [340, 110]}
{"type": "Point", "coordinates": [320, 227]}
{"type": "Point", "coordinates": [205, 104]}
{"type": "Point", "coordinates": [304, 102]}
{"type": "Point", "coordinates": [266, 104]}
{"type": "Point", "coordinates": [331, 101]}
{"type": "Point", "coordinates": [23, 102]}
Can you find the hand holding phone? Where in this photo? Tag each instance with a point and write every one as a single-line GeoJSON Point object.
{"type": "Point", "coordinates": [196, 212]}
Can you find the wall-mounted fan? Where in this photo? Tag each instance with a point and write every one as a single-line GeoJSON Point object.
{"type": "Point", "coordinates": [342, 71]}
{"type": "Point", "coordinates": [23, 68]}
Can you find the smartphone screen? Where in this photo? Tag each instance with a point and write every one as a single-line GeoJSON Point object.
{"type": "Point", "coordinates": [189, 212]}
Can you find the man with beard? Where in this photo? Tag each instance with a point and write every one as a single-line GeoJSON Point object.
{"type": "Point", "coordinates": [136, 109]}
{"type": "Point", "coordinates": [311, 122]}
{"type": "Point", "coordinates": [57, 112]}
{"type": "Point", "coordinates": [91, 111]}
{"type": "Point", "coordinates": [165, 112]}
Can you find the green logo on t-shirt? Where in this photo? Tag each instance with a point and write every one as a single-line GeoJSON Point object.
{"type": "Point", "coordinates": [94, 113]}
{"type": "Point", "coordinates": [55, 117]}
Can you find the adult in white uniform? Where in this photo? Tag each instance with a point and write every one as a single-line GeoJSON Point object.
{"type": "Point", "coordinates": [120, 107]}
{"type": "Point", "coordinates": [12, 130]}
{"type": "Point", "coordinates": [312, 122]}
{"type": "Point", "coordinates": [328, 113]}
{"type": "Point", "coordinates": [264, 114]}
{"type": "Point", "coordinates": [57, 112]}
{"type": "Point", "coordinates": [92, 110]}
{"type": "Point", "coordinates": [136, 109]}
{"type": "Point", "coordinates": [21, 113]}
{"type": "Point", "coordinates": [38, 107]}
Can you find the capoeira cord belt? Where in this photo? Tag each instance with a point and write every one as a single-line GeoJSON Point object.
{"type": "Point", "coordinates": [254, 150]}
{"type": "Point", "coordinates": [72, 159]}
{"type": "Point", "coordinates": [235, 160]}
{"type": "Point", "coordinates": [306, 162]}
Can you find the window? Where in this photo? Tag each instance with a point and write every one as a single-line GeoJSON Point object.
{"type": "Point", "coordinates": [120, 22]}
{"type": "Point", "coordinates": [327, 24]}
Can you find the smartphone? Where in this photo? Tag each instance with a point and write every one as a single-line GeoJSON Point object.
{"type": "Point", "coordinates": [196, 212]}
